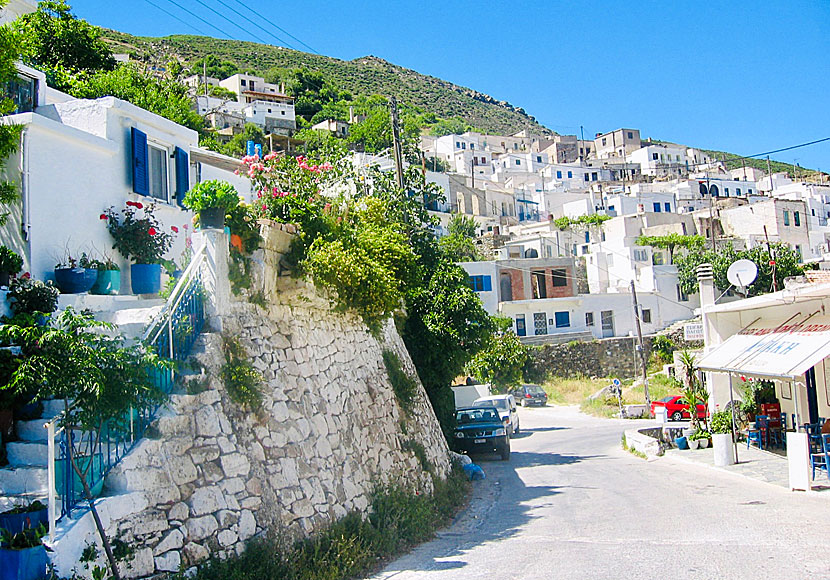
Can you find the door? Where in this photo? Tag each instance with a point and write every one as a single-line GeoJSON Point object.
{"type": "Point", "coordinates": [520, 325]}
{"type": "Point", "coordinates": [812, 396]}
{"type": "Point", "coordinates": [607, 318]}
{"type": "Point", "coordinates": [540, 323]}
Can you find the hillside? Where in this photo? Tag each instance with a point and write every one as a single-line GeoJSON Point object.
{"type": "Point", "coordinates": [363, 76]}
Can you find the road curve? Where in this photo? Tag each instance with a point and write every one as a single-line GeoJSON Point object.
{"type": "Point", "coordinates": [572, 504]}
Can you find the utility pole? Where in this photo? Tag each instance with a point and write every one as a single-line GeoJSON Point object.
{"type": "Point", "coordinates": [771, 261]}
{"type": "Point", "coordinates": [396, 140]}
{"type": "Point", "coordinates": [769, 173]}
{"type": "Point", "coordinates": [204, 75]}
{"type": "Point", "coordinates": [640, 339]}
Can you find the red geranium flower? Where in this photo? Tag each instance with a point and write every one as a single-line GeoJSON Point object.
{"type": "Point", "coordinates": [152, 231]}
{"type": "Point", "coordinates": [130, 203]}
{"type": "Point", "coordinates": [175, 229]}
{"type": "Point", "coordinates": [103, 216]}
{"type": "Point", "coordinates": [138, 205]}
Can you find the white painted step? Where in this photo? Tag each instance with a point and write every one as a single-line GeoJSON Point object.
{"type": "Point", "coordinates": [27, 454]}
{"type": "Point", "coordinates": [22, 480]}
{"type": "Point", "coordinates": [8, 502]}
{"type": "Point", "coordinates": [33, 430]}
{"type": "Point", "coordinates": [132, 322]}
{"type": "Point", "coordinates": [52, 408]}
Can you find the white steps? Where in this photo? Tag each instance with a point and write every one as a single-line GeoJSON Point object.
{"type": "Point", "coordinates": [22, 479]}
{"type": "Point", "coordinates": [26, 453]}
{"type": "Point", "coordinates": [33, 430]}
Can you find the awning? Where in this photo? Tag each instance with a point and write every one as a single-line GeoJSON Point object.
{"type": "Point", "coordinates": [783, 350]}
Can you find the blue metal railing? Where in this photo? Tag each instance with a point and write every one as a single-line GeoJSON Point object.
{"type": "Point", "coordinates": [171, 335]}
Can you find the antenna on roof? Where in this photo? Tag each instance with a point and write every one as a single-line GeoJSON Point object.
{"type": "Point", "coordinates": [741, 274]}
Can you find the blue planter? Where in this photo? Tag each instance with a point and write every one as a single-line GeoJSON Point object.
{"type": "Point", "coordinates": [16, 523]}
{"type": "Point", "coordinates": [26, 564]}
{"type": "Point", "coordinates": [75, 280]}
{"type": "Point", "coordinates": [681, 442]}
{"type": "Point", "coordinates": [145, 278]}
{"type": "Point", "coordinates": [107, 282]}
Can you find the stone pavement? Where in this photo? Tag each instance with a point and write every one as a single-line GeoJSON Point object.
{"type": "Point", "coordinates": [752, 463]}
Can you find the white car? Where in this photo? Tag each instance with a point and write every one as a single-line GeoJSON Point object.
{"type": "Point", "coordinates": [506, 406]}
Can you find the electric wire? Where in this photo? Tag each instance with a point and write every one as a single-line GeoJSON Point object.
{"type": "Point", "coordinates": [223, 17]}
{"type": "Point", "coordinates": [194, 15]}
{"type": "Point", "coordinates": [171, 15]}
{"type": "Point", "coordinates": [235, 11]}
{"type": "Point", "coordinates": [264, 19]}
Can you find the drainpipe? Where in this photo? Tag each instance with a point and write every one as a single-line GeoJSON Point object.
{"type": "Point", "coordinates": [25, 222]}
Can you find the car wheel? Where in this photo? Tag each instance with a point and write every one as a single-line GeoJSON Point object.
{"type": "Point", "coordinates": [677, 416]}
{"type": "Point", "coordinates": [505, 453]}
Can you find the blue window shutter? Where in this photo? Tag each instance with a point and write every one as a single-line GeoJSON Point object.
{"type": "Point", "coordinates": [182, 174]}
{"type": "Point", "coordinates": [141, 167]}
{"type": "Point", "coordinates": [488, 286]}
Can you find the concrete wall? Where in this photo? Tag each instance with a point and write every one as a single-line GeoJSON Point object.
{"type": "Point", "coordinates": [611, 357]}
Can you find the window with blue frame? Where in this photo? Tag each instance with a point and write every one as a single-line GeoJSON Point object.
{"type": "Point", "coordinates": [558, 175]}
{"type": "Point", "coordinates": [570, 174]}
{"type": "Point", "coordinates": [481, 283]}
{"type": "Point", "coordinates": [667, 207]}
{"type": "Point", "coordinates": [656, 207]}
{"type": "Point", "coordinates": [563, 319]}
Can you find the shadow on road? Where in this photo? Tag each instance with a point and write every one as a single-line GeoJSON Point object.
{"type": "Point", "coordinates": [529, 432]}
{"type": "Point", "coordinates": [501, 505]}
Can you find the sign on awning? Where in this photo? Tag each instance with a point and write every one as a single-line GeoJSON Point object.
{"type": "Point", "coordinates": [785, 350]}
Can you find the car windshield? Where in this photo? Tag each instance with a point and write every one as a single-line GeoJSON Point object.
{"type": "Point", "coordinates": [666, 399]}
{"type": "Point", "coordinates": [497, 403]}
{"type": "Point", "coordinates": [535, 389]}
{"type": "Point", "coordinates": [485, 415]}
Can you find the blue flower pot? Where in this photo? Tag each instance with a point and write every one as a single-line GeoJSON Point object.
{"type": "Point", "coordinates": [145, 278]}
{"type": "Point", "coordinates": [108, 282]}
{"type": "Point", "coordinates": [75, 280]}
{"type": "Point", "coordinates": [16, 523]}
{"type": "Point", "coordinates": [681, 442]}
{"type": "Point", "coordinates": [26, 564]}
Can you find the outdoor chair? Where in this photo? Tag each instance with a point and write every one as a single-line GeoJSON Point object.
{"type": "Point", "coordinates": [821, 460]}
{"type": "Point", "coordinates": [756, 435]}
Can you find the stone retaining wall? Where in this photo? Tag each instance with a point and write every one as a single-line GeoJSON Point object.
{"type": "Point", "coordinates": [330, 430]}
{"type": "Point", "coordinates": [608, 357]}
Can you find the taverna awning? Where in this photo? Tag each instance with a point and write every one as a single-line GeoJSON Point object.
{"type": "Point", "coordinates": [784, 350]}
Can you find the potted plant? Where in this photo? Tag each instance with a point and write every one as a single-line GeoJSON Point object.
{"type": "Point", "coordinates": [139, 237]}
{"type": "Point", "coordinates": [722, 442]}
{"type": "Point", "coordinates": [74, 276]}
{"type": "Point", "coordinates": [108, 280]}
{"type": "Point", "coordinates": [23, 555]}
{"type": "Point", "coordinates": [10, 264]}
{"type": "Point", "coordinates": [212, 200]}
{"type": "Point", "coordinates": [22, 517]}
{"type": "Point", "coordinates": [32, 297]}
{"type": "Point", "coordinates": [701, 437]}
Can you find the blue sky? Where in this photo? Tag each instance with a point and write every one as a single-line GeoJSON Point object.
{"type": "Point", "coordinates": [745, 77]}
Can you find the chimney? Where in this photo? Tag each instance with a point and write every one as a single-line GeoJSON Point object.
{"type": "Point", "coordinates": [351, 116]}
{"type": "Point", "coordinates": [706, 287]}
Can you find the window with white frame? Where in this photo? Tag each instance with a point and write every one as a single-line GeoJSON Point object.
{"type": "Point", "coordinates": [159, 181]}
{"type": "Point", "coordinates": [641, 255]}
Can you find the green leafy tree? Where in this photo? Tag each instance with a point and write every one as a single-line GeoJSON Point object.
{"type": "Point", "coordinates": [55, 41]}
{"type": "Point", "coordinates": [214, 67]}
{"type": "Point", "coordinates": [786, 263]}
{"type": "Point", "coordinates": [670, 242]}
{"type": "Point", "coordinates": [452, 126]}
{"type": "Point", "coordinates": [502, 361]}
{"type": "Point", "coordinates": [9, 133]}
{"type": "Point", "coordinates": [458, 246]}
{"type": "Point", "coordinates": [463, 225]}
{"type": "Point", "coordinates": [237, 146]}
{"type": "Point", "coordinates": [163, 97]}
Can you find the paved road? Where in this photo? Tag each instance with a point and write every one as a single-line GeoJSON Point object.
{"type": "Point", "coordinates": [572, 504]}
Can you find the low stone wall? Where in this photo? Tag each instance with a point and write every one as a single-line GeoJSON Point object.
{"type": "Point", "coordinates": [608, 357]}
{"type": "Point", "coordinates": [329, 431]}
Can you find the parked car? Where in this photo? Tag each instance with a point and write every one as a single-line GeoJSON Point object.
{"type": "Point", "coordinates": [677, 408]}
{"type": "Point", "coordinates": [530, 395]}
{"type": "Point", "coordinates": [506, 406]}
{"type": "Point", "coordinates": [480, 430]}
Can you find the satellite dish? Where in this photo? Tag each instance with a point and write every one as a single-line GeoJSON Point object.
{"type": "Point", "coordinates": [742, 273]}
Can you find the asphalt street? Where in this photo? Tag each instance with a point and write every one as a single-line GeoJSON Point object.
{"type": "Point", "coordinates": [572, 504]}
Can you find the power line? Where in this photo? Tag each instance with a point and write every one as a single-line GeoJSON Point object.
{"type": "Point", "coordinates": [258, 15]}
{"type": "Point", "coordinates": [222, 32]}
{"type": "Point", "coordinates": [278, 39]}
{"type": "Point", "coordinates": [222, 16]}
{"type": "Point", "coordinates": [171, 15]}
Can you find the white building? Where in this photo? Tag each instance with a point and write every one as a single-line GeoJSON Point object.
{"type": "Point", "coordinates": [660, 160]}
{"type": "Point", "coordinates": [79, 157]}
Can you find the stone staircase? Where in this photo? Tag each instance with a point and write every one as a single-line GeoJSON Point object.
{"type": "Point", "coordinates": [24, 478]}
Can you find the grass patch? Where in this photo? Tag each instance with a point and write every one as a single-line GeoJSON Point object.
{"type": "Point", "coordinates": [403, 385]}
{"type": "Point", "coordinates": [575, 391]}
{"type": "Point", "coordinates": [352, 546]}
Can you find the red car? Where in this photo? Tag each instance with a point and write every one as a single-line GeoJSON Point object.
{"type": "Point", "coordinates": [677, 408]}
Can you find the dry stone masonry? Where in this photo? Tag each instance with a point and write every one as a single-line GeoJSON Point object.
{"type": "Point", "coordinates": [330, 430]}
